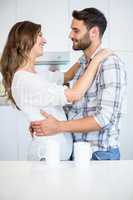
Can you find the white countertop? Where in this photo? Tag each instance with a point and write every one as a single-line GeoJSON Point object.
{"type": "Point", "coordinates": [100, 180]}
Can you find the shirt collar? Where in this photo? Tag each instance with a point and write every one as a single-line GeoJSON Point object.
{"type": "Point", "coordinates": [96, 51]}
{"type": "Point", "coordinates": [83, 60]}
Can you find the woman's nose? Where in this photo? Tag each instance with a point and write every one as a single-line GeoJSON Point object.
{"type": "Point", "coordinates": [44, 41]}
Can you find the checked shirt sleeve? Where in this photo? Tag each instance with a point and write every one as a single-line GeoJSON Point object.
{"type": "Point", "coordinates": [111, 89]}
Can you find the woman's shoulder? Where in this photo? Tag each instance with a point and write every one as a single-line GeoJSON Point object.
{"type": "Point", "coordinates": [24, 75]}
{"type": "Point", "coordinates": [21, 73]}
{"type": "Point", "coordinates": [23, 79]}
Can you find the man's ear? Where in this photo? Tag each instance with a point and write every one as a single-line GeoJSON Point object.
{"type": "Point", "coordinates": [94, 32]}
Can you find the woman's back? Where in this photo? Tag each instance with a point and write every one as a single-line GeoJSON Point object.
{"type": "Point", "coordinates": [33, 93]}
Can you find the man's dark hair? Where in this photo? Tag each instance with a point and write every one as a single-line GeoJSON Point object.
{"type": "Point", "coordinates": [91, 17]}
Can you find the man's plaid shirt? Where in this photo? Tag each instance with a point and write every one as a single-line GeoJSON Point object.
{"type": "Point", "coordinates": [104, 100]}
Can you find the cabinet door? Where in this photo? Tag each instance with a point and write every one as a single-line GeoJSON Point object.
{"type": "Point", "coordinates": [8, 18]}
{"type": "Point", "coordinates": [23, 135]}
{"type": "Point", "coordinates": [8, 134]}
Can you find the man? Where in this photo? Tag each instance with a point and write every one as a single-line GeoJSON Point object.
{"type": "Point", "coordinates": [96, 117]}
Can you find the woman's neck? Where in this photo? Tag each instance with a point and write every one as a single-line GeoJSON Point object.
{"type": "Point", "coordinates": [29, 66]}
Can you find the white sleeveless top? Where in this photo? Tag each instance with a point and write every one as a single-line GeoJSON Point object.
{"type": "Point", "coordinates": [33, 92]}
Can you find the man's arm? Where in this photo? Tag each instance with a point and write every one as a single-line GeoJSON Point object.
{"type": "Point", "coordinates": [51, 125]}
{"type": "Point", "coordinates": [83, 125]}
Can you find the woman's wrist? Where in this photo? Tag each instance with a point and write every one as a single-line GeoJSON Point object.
{"type": "Point", "coordinates": [95, 61]}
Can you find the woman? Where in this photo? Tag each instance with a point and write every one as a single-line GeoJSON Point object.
{"type": "Point", "coordinates": [31, 93]}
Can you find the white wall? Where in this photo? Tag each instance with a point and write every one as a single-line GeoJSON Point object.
{"type": "Point", "coordinates": [8, 17]}
{"type": "Point", "coordinates": [121, 33]}
{"type": "Point", "coordinates": [52, 15]}
{"type": "Point", "coordinates": [56, 17]}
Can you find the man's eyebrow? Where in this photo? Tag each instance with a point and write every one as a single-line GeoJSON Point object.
{"type": "Point", "coordinates": [76, 29]}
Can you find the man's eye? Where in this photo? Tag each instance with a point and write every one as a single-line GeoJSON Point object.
{"type": "Point", "coordinates": [76, 31]}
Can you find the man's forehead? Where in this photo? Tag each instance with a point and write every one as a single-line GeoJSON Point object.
{"type": "Point", "coordinates": [77, 23]}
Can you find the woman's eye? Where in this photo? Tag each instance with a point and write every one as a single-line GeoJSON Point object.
{"type": "Point", "coordinates": [40, 34]}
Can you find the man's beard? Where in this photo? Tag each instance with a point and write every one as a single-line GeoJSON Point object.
{"type": "Point", "coordinates": [83, 43]}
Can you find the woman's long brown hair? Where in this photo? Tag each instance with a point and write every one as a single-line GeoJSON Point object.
{"type": "Point", "coordinates": [20, 41]}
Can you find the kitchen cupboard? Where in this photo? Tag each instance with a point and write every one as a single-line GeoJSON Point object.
{"type": "Point", "coordinates": [14, 135]}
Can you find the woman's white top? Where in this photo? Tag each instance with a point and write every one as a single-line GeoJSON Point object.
{"type": "Point", "coordinates": [33, 92]}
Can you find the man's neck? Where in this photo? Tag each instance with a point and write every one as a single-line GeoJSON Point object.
{"type": "Point", "coordinates": [91, 50]}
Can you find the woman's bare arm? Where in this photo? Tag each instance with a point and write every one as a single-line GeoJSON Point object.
{"type": "Point", "coordinates": [80, 87]}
